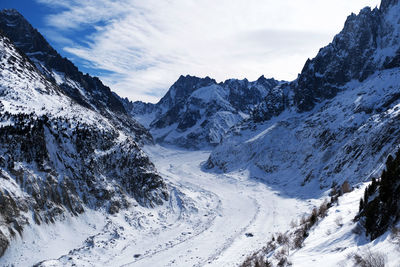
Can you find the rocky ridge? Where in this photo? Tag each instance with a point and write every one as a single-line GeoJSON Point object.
{"type": "Point", "coordinates": [86, 90]}
{"type": "Point", "coordinates": [197, 112]}
{"type": "Point", "coordinates": [59, 157]}
{"type": "Point", "coordinates": [368, 42]}
{"type": "Point", "coordinates": [336, 122]}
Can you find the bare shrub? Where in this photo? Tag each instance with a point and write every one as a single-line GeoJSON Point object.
{"type": "Point", "coordinates": [299, 237]}
{"type": "Point", "coordinates": [271, 246]}
{"type": "Point", "coordinates": [369, 259]}
{"type": "Point", "coordinates": [282, 239]}
{"type": "Point", "coordinates": [282, 261]}
{"type": "Point", "coordinates": [281, 253]}
{"type": "Point", "coordinates": [345, 188]}
{"type": "Point", "coordinates": [303, 220]}
{"type": "Point", "coordinates": [323, 209]}
{"type": "Point", "coordinates": [313, 217]}
{"type": "Point", "coordinates": [256, 261]}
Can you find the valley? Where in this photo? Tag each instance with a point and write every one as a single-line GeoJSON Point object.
{"type": "Point", "coordinates": [210, 219]}
{"type": "Point", "coordinates": [217, 173]}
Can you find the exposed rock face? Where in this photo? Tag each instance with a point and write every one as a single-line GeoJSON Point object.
{"type": "Point", "coordinates": [58, 157]}
{"type": "Point", "coordinates": [344, 138]}
{"type": "Point", "coordinates": [85, 90]}
{"type": "Point", "coordinates": [197, 112]}
{"type": "Point", "coordinates": [3, 244]}
{"type": "Point", "coordinates": [369, 42]}
{"type": "Point", "coordinates": [337, 121]}
{"type": "Point", "coordinates": [347, 57]}
{"type": "Point", "coordinates": [182, 89]}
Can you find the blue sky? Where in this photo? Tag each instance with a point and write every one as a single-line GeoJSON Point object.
{"type": "Point", "coordinates": [37, 13]}
{"type": "Point", "coordinates": [140, 47]}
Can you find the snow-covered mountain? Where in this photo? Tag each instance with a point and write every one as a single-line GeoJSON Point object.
{"type": "Point", "coordinates": [86, 90]}
{"type": "Point", "coordinates": [70, 153]}
{"type": "Point", "coordinates": [368, 42]}
{"type": "Point", "coordinates": [338, 120]}
{"type": "Point", "coordinates": [59, 156]}
{"type": "Point", "coordinates": [197, 112]}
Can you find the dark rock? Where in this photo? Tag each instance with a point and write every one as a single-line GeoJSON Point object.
{"type": "Point", "coordinates": [203, 120]}
{"type": "Point", "coordinates": [3, 244]}
{"type": "Point", "coordinates": [352, 55]}
{"type": "Point", "coordinates": [182, 89]}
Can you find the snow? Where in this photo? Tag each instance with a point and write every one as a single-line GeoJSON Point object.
{"type": "Point", "coordinates": [25, 90]}
{"type": "Point", "coordinates": [41, 242]}
{"type": "Point", "coordinates": [268, 175]}
{"type": "Point", "coordinates": [146, 118]}
{"type": "Point", "coordinates": [212, 93]}
{"type": "Point", "coordinates": [59, 77]}
{"type": "Point", "coordinates": [209, 213]}
{"type": "Point", "coordinates": [340, 139]}
{"type": "Point", "coordinates": [205, 222]}
{"type": "Point", "coordinates": [211, 219]}
{"type": "Point", "coordinates": [333, 241]}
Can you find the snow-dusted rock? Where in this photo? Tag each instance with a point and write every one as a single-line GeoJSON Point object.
{"type": "Point", "coordinates": [306, 132]}
{"type": "Point", "coordinates": [197, 112]}
{"type": "Point", "coordinates": [86, 90]}
{"type": "Point", "coordinates": [369, 42]}
{"type": "Point", "coordinates": [58, 157]}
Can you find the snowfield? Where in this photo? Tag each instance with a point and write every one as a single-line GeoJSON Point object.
{"type": "Point", "coordinates": [210, 219]}
{"type": "Point", "coordinates": [246, 206]}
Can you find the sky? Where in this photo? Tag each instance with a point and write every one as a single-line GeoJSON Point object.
{"type": "Point", "coordinates": [140, 47]}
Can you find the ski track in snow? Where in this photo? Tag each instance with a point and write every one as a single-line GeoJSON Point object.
{"type": "Point", "coordinates": [208, 221]}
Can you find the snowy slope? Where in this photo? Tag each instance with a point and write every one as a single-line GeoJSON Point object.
{"type": "Point", "coordinates": [335, 239]}
{"type": "Point", "coordinates": [75, 188]}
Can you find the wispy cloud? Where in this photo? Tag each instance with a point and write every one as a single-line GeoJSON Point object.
{"type": "Point", "coordinates": [147, 44]}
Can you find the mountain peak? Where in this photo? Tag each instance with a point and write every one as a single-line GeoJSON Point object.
{"type": "Point", "coordinates": [36, 47]}
{"type": "Point", "coordinates": [367, 44]}
{"type": "Point", "coordinates": [193, 79]}
{"type": "Point", "coordinates": [10, 12]}
{"type": "Point", "coordinates": [86, 90]}
{"type": "Point", "coordinates": [182, 88]}
{"type": "Point", "coordinates": [21, 32]}
{"type": "Point", "coordinates": [261, 78]}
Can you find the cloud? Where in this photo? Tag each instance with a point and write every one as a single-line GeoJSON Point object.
{"type": "Point", "coordinates": [146, 45]}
